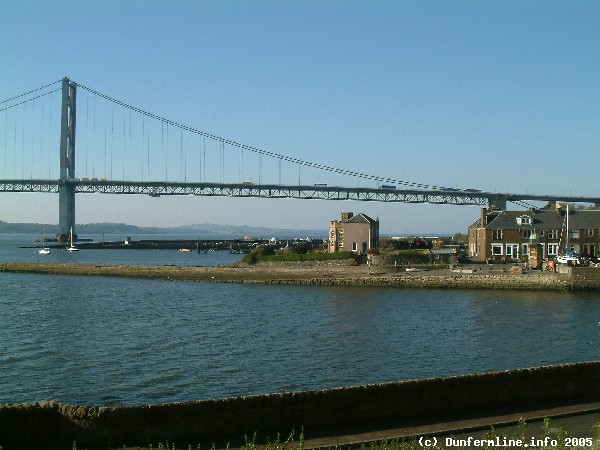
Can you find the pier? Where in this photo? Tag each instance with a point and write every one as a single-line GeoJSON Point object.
{"type": "Point", "coordinates": [198, 245]}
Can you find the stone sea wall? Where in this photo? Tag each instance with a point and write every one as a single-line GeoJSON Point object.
{"type": "Point", "coordinates": [463, 281]}
{"type": "Point", "coordinates": [45, 423]}
{"type": "Point", "coordinates": [579, 279]}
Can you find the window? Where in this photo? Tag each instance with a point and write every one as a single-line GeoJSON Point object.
{"type": "Point", "coordinates": [588, 232]}
{"type": "Point", "coordinates": [552, 249]}
{"type": "Point", "coordinates": [589, 249]}
{"type": "Point", "coordinates": [496, 234]}
{"type": "Point", "coordinates": [512, 250]}
{"type": "Point", "coordinates": [341, 244]}
{"type": "Point", "coordinates": [497, 249]}
{"type": "Point", "coordinates": [524, 220]}
{"type": "Point", "coordinates": [526, 234]}
{"type": "Point", "coordinates": [525, 249]}
{"type": "Point", "coordinates": [354, 246]}
{"type": "Point", "coordinates": [574, 234]}
{"type": "Point", "coordinates": [552, 234]}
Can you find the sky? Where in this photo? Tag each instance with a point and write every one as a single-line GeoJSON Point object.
{"type": "Point", "coordinates": [499, 96]}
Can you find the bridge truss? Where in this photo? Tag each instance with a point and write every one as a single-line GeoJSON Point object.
{"type": "Point", "coordinates": [305, 192]}
{"type": "Point", "coordinates": [157, 189]}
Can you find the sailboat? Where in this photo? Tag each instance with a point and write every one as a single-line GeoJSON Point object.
{"type": "Point", "coordinates": [568, 257]}
{"type": "Point", "coordinates": [71, 247]}
{"type": "Point", "coordinates": [45, 250]}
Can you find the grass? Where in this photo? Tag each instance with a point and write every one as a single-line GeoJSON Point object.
{"type": "Point", "coordinates": [490, 440]}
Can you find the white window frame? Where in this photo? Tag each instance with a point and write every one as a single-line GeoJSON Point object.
{"type": "Point", "coordinates": [552, 249]}
{"type": "Point", "coordinates": [495, 248]}
{"type": "Point", "coordinates": [552, 234]}
{"type": "Point", "coordinates": [509, 250]}
{"type": "Point", "coordinates": [525, 249]}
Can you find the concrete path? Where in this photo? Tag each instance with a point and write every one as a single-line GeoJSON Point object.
{"type": "Point", "coordinates": [577, 419]}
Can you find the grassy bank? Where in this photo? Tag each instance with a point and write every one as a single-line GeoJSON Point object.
{"type": "Point", "coordinates": [548, 438]}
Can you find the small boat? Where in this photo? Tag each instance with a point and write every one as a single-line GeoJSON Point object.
{"type": "Point", "coordinates": [71, 247]}
{"type": "Point", "coordinates": [184, 250]}
{"type": "Point", "coordinates": [415, 269]}
{"type": "Point", "coordinates": [44, 251]}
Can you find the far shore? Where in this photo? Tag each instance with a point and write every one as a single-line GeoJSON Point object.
{"type": "Point", "coordinates": [333, 274]}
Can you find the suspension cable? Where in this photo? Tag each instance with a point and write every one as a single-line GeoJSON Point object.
{"type": "Point", "coordinates": [31, 92]}
{"type": "Point", "coordinates": [290, 159]}
{"type": "Point", "coordinates": [28, 100]}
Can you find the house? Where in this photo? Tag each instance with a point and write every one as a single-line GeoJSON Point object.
{"type": "Point", "coordinates": [508, 234]}
{"type": "Point", "coordinates": [353, 233]}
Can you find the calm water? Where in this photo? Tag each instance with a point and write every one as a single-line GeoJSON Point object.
{"type": "Point", "coordinates": [91, 340]}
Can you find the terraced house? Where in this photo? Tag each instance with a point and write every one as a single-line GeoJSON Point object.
{"type": "Point", "coordinates": [508, 234]}
{"type": "Point", "coordinates": [353, 233]}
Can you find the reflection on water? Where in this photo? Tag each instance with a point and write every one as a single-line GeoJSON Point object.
{"type": "Point", "coordinates": [94, 340]}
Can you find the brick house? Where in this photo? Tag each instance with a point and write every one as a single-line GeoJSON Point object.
{"type": "Point", "coordinates": [508, 234]}
{"type": "Point", "coordinates": [353, 233]}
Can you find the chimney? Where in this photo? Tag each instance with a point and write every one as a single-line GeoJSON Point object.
{"type": "Point", "coordinates": [347, 216]}
{"type": "Point", "coordinates": [483, 217]}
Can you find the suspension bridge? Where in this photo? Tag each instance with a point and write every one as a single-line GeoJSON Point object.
{"type": "Point", "coordinates": [123, 149]}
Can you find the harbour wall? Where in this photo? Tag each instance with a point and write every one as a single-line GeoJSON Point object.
{"type": "Point", "coordinates": [340, 273]}
{"type": "Point", "coordinates": [44, 424]}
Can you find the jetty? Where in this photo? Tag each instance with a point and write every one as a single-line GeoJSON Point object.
{"type": "Point", "coordinates": [327, 273]}
{"type": "Point", "coordinates": [199, 245]}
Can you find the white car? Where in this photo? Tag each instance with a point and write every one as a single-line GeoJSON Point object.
{"type": "Point", "coordinates": [568, 259]}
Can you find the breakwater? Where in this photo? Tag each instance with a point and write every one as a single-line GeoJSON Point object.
{"type": "Point", "coordinates": [393, 404]}
{"type": "Point", "coordinates": [200, 245]}
{"type": "Point", "coordinates": [333, 274]}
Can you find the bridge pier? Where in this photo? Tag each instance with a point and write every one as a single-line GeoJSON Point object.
{"type": "Point", "coordinates": [66, 191]}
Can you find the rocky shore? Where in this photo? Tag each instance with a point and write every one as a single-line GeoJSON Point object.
{"type": "Point", "coordinates": [334, 274]}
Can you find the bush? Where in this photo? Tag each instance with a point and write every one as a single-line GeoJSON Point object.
{"type": "Point", "coordinates": [261, 250]}
{"type": "Point", "coordinates": [251, 258]}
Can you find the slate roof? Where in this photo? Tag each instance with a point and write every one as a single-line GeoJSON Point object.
{"type": "Point", "coordinates": [361, 218]}
{"type": "Point", "coordinates": [542, 219]}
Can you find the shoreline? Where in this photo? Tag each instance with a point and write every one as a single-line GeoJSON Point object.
{"type": "Point", "coordinates": [580, 279]}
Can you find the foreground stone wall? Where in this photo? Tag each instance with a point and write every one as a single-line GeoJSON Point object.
{"type": "Point", "coordinates": [39, 424]}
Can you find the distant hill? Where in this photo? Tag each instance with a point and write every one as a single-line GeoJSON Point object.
{"type": "Point", "coordinates": [206, 229]}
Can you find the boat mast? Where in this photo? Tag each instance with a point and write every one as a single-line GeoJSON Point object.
{"type": "Point", "coordinates": [567, 238]}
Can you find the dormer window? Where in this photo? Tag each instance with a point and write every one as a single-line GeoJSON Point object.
{"type": "Point", "coordinates": [524, 220]}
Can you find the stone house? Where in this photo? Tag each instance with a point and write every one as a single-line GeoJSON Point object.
{"type": "Point", "coordinates": [353, 233]}
{"type": "Point", "coordinates": [508, 234]}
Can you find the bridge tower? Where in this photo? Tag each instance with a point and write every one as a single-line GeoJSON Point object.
{"type": "Point", "coordinates": [497, 202]}
{"type": "Point", "coordinates": [66, 191]}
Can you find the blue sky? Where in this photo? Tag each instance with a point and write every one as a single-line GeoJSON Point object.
{"type": "Point", "coordinates": [500, 96]}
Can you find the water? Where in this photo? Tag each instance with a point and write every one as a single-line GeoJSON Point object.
{"type": "Point", "coordinates": [100, 341]}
